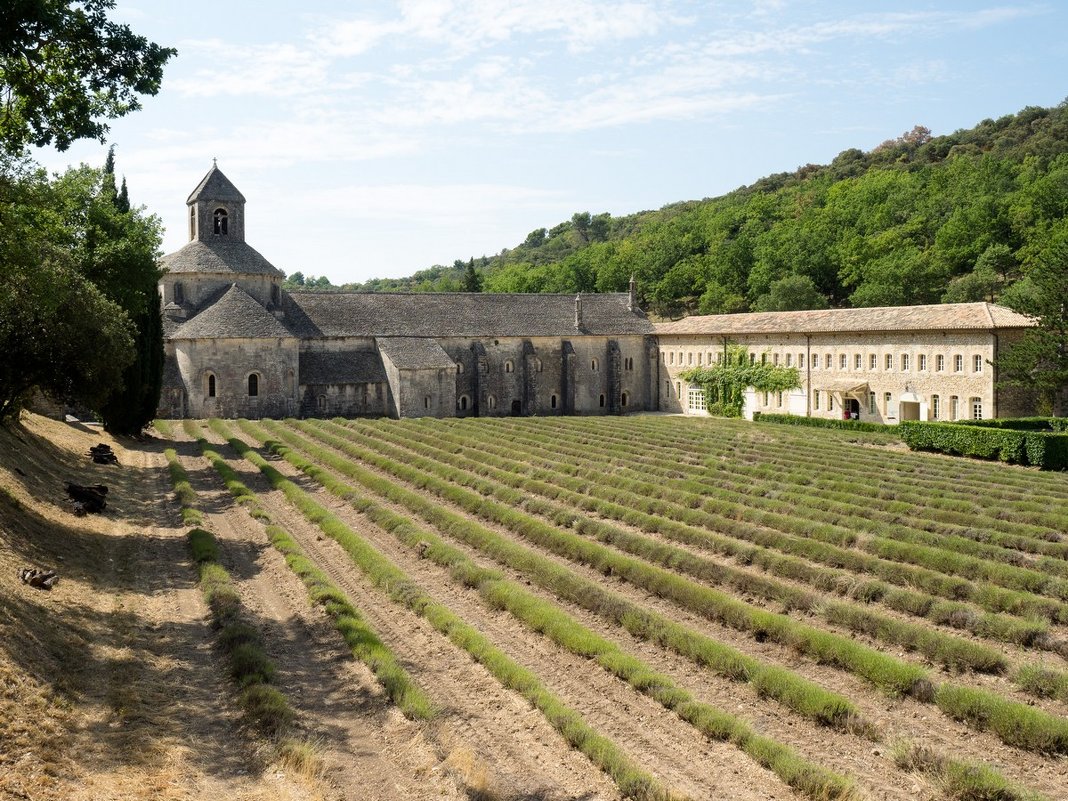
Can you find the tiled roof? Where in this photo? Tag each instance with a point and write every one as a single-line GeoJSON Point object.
{"type": "Point", "coordinates": [939, 317]}
{"type": "Point", "coordinates": [215, 186]}
{"type": "Point", "coordinates": [229, 256]}
{"type": "Point", "coordinates": [235, 315]}
{"type": "Point", "coordinates": [414, 353]}
{"type": "Point", "coordinates": [454, 314]}
{"type": "Point", "coordinates": [344, 367]}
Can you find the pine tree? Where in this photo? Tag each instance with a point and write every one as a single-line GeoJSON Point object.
{"type": "Point", "coordinates": [472, 280]}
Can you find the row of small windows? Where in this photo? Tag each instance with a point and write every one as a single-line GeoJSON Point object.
{"type": "Point", "coordinates": [463, 403]}
{"type": "Point", "coordinates": [595, 365]}
{"type": "Point", "coordinates": [905, 361]}
{"type": "Point", "coordinates": [252, 385]}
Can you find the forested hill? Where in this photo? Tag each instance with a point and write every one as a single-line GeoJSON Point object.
{"type": "Point", "coordinates": [918, 219]}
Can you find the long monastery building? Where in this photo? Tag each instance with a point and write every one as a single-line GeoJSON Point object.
{"type": "Point", "coordinates": [876, 364]}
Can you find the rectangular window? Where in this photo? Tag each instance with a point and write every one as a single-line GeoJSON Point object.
{"type": "Point", "coordinates": [816, 399]}
{"type": "Point", "coordinates": [752, 358]}
{"type": "Point", "coordinates": [923, 361]}
{"type": "Point", "coordinates": [671, 357]}
{"type": "Point", "coordinates": [889, 361]}
{"type": "Point", "coordinates": [696, 398]}
{"type": "Point", "coordinates": [709, 358]}
{"type": "Point", "coordinates": [778, 400]}
{"type": "Point", "coordinates": [678, 389]}
{"type": "Point", "coordinates": [977, 365]}
{"type": "Point", "coordinates": [827, 361]}
{"type": "Point", "coordinates": [940, 363]}
{"type": "Point", "coordinates": [830, 401]}
{"type": "Point", "coordinates": [871, 403]}
{"type": "Point", "coordinates": [775, 359]}
{"type": "Point", "coordinates": [953, 407]}
{"type": "Point", "coordinates": [766, 398]}
{"type": "Point", "coordinates": [936, 407]}
{"type": "Point", "coordinates": [905, 361]}
{"type": "Point", "coordinates": [977, 408]}
{"type": "Point", "coordinates": [871, 362]}
{"type": "Point", "coordinates": [764, 357]}
{"type": "Point", "coordinates": [958, 364]}
{"type": "Point", "coordinates": [801, 360]}
{"type": "Point", "coordinates": [689, 358]}
{"type": "Point", "coordinates": [842, 362]}
{"type": "Point", "coordinates": [789, 359]}
{"type": "Point", "coordinates": [887, 398]}
{"type": "Point", "coordinates": [699, 357]}
{"type": "Point", "coordinates": [719, 358]}
{"type": "Point", "coordinates": [856, 361]}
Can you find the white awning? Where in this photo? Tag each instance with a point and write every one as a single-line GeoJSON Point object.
{"type": "Point", "coordinates": [842, 387]}
{"type": "Point", "coordinates": [911, 397]}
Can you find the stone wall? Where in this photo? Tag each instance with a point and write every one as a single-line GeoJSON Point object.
{"type": "Point", "coordinates": [232, 361]}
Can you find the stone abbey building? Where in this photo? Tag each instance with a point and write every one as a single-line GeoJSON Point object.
{"type": "Point", "coordinates": [238, 345]}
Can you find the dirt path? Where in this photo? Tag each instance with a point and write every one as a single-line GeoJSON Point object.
{"type": "Point", "coordinates": [494, 736]}
{"type": "Point", "coordinates": [110, 688]}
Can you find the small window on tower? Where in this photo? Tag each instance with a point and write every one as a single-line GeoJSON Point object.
{"type": "Point", "coordinates": [220, 223]}
{"type": "Point", "coordinates": [192, 222]}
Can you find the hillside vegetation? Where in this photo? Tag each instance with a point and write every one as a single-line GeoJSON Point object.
{"type": "Point", "coordinates": [918, 219]}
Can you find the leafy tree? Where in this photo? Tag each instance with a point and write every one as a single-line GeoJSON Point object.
{"type": "Point", "coordinates": [296, 279]}
{"type": "Point", "coordinates": [1039, 361]}
{"type": "Point", "coordinates": [64, 67]}
{"type": "Point", "coordinates": [58, 332]}
{"type": "Point", "coordinates": [472, 280]}
{"type": "Point", "coordinates": [792, 293]}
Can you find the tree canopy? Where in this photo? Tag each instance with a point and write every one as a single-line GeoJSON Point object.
{"type": "Point", "coordinates": [65, 68]}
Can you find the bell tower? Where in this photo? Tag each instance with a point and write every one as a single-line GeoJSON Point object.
{"type": "Point", "coordinates": [216, 210]}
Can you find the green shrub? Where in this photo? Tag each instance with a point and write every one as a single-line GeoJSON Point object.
{"type": "Point", "coordinates": [823, 422]}
{"type": "Point", "coordinates": [1045, 449]}
{"type": "Point", "coordinates": [202, 545]}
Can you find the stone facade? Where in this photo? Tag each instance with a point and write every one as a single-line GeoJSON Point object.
{"type": "Point", "coordinates": [938, 366]}
{"type": "Point", "coordinates": [239, 346]}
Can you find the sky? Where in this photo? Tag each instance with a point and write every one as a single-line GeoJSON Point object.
{"type": "Point", "coordinates": [373, 139]}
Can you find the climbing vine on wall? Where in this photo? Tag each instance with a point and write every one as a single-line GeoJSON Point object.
{"type": "Point", "coordinates": [725, 382]}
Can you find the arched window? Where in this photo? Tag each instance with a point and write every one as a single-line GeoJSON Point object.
{"type": "Point", "coordinates": [253, 385]}
{"type": "Point", "coordinates": [426, 401]}
{"type": "Point", "coordinates": [508, 366]}
{"type": "Point", "coordinates": [491, 401]}
{"type": "Point", "coordinates": [459, 367]}
{"type": "Point", "coordinates": [552, 402]}
{"type": "Point", "coordinates": [624, 399]}
{"type": "Point", "coordinates": [192, 222]}
{"type": "Point", "coordinates": [219, 220]}
{"type": "Point", "coordinates": [461, 404]}
{"type": "Point", "coordinates": [322, 403]}
{"type": "Point", "coordinates": [538, 366]}
{"type": "Point", "coordinates": [593, 365]}
{"type": "Point", "coordinates": [600, 401]}
{"type": "Point", "coordinates": [179, 292]}
{"type": "Point", "coordinates": [211, 385]}
{"type": "Point", "coordinates": [276, 294]}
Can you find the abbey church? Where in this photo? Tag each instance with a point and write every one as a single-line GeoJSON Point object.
{"type": "Point", "coordinates": [238, 345]}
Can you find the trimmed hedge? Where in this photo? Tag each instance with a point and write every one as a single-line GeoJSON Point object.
{"type": "Point", "coordinates": [1021, 423]}
{"type": "Point", "coordinates": [1045, 449]}
{"type": "Point", "coordinates": [823, 422]}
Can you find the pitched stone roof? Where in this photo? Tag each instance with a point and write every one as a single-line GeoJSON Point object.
{"type": "Point", "coordinates": [215, 186]}
{"type": "Point", "coordinates": [457, 314]}
{"type": "Point", "coordinates": [939, 317]}
{"type": "Point", "coordinates": [344, 367]}
{"type": "Point", "coordinates": [414, 353]}
{"type": "Point", "coordinates": [235, 315]}
{"type": "Point", "coordinates": [230, 256]}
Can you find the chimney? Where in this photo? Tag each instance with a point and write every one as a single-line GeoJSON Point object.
{"type": "Point", "coordinates": [632, 302]}
{"type": "Point", "coordinates": [578, 311]}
